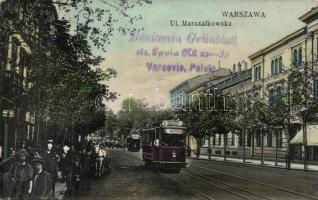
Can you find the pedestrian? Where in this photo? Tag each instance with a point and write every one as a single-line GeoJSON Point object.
{"type": "Point", "coordinates": [11, 151]}
{"type": "Point", "coordinates": [65, 164]}
{"type": "Point", "coordinates": [52, 164]}
{"type": "Point", "coordinates": [23, 145]}
{"type": "Point", "coordinates": [20, 177]}
{"type": "Point", "coordinates": [41, 181]}
{"type": "Point", "coordinates": [77, 174]}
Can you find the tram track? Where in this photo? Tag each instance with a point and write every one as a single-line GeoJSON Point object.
{"type": "Point", "coordinates": [195, 176]}
{"type": "Point", "coordinates": [257, 182]}
{"type": "Point", "coordinates": [191, 188]}
{"type": "Point", "coordinates": [229, 188]}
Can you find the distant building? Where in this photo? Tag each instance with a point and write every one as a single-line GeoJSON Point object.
{"type": "Point", "coordinates": [179, 95]}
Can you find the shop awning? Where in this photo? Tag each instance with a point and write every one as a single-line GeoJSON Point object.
{"type": "Point", "coordinates": [312, 136]}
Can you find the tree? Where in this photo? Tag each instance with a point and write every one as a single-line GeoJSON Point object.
{"type": "Point", "coordinates": [206, 115]}
{"type": "Point", "coordinates": [136, 114]}
{"type": "Point", "coordinates": [63, 70]}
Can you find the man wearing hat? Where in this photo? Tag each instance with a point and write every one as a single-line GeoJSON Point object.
{"type": "Point", "coordinates": [20, 176]}
{"type": "Point", "coordinates": [52, 163]}
{"type": "Point", "coordinates": [41, 181]}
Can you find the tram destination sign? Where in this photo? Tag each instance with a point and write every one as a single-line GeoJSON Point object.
{"type": "Point", "coordinates": [172, 123]}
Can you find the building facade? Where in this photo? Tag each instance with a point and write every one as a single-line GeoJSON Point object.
{"type": "Point", "coordinates": [24, 26]}
{"type": "Point", "coordinates": [268, 78]}
{"type": "Point", "coordinates": [179, 95]}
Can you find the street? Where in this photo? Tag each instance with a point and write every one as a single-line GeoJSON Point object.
{"type": "Point", "coordinates": [202, 179]}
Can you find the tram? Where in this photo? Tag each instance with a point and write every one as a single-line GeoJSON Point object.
{"type": "Point", "coordinates": [133, 142]}
{"type": "Point", "coordinates": [164, 147]}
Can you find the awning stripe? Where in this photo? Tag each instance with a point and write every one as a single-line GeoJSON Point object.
{"type": "Point", "coordinates": [312, 136]}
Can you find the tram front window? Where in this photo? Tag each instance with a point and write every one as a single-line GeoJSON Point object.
{"type": "Point", "coordinates": [172, 140]}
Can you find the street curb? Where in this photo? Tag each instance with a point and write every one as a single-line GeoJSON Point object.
{"type": "Point", "coordinates": [255, 165]}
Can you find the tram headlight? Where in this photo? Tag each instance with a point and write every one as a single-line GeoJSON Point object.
{"type": "Point", "coordinates": [174, 155]}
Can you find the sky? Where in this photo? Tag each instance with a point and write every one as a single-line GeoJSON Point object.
{"type": "Point", "coordinates": [248, 35]}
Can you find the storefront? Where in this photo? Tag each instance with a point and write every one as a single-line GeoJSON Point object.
{"type": "Point", "coordinates": [312, 142]}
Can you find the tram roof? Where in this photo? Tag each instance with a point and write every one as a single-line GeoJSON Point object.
{"type": "Point", "coordinates": [164, 128]}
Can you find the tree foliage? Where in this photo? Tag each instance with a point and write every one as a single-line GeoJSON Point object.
{"type": "Point", "coordinates": [136, 114]}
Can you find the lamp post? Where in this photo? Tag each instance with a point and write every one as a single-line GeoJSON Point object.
{"type": "Point", "coordinates": [262, 128]}
{"type": "Point", "coordinates": [214, 131]}
{"type": "Point", "coordinates": [278, 131]}
{"type": "Point", "coordinates": [85, 15]}
{"type": "Point", "coordinates": [244, 155]}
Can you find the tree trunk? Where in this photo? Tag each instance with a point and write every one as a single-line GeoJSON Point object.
{"type": "Point", "coordinates": [253, 144]}
{"type": "Point", "coordinates": [287, 151]}
{"type": "Point", "coordinates": [198, 147]}
{"type": "Point", "coordinates": [276, 149]}
{"type": "Point", "coordinates": [262, 148]}
{"type": "Point", "coordinates": [305, 145]}
{"type": "Point", "coordinates": [209, 150]}
{"type": "Point", "coordinates": [188, 146]}
{"type": "Point", "coordinates": [224, 145]}
{"type": "Point", "coordinates": [244, 144]}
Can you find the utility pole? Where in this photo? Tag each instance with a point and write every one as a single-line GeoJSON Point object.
{"type": "Point", "coordinates": [262, 145]}
{"type": "Point", "coordinates": [304, 114]}
{"type": "Point", "coordinates": [244, 156]}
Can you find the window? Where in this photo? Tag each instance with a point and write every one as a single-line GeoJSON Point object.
{"type": "Point", "coordinates": [269, 139]}
{"type": "Point", "coordinates": [274, 96]}
{"type": "Point", "coordinates": [219, 142]}
{"type": "Point", "coordinates": [273, 67]}
{"type": "Point", "coordinates": [249, 139]}
{"type": "Point", "coordinates": [276, 66]}
{"type": "Point", "coordinates": [14, 56]}
{"type": "Point", "coordinates": [317, 50]}
{"type": "Point", "coordinates": [257, 72]}
{"type": "Point", "coordinates": [295, 63]}
{"type": "Point", "coordinates": [300, 56]}
{"type": "Point", "coordinates": [233, 139]}
{"type": "Point", "coordinates": [280, 139]}
{"type": "Point", "coordinates": [240, 140]}
{"type": "Point", "coordinates": [280, 65]}
{"type": "Point", "coordinates": [214, 140]}
{"type": "Point", "coordinates": [316, 89]}
{"type": "Point", "coordinates": [258, 139]}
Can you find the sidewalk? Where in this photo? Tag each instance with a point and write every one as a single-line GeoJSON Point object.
{"type": "Point", "coordinates": [60, 189]}
{"type": "Point", "coordinates": [296, 166]}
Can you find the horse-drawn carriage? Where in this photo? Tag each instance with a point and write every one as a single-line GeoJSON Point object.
{"type": "Point", "coordinates": [97, 160]}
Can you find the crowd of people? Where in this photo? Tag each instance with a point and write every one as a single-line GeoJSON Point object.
{"type": "Point", "coordinates": [33, 173]}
